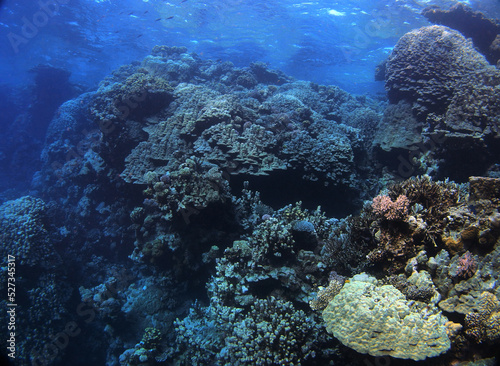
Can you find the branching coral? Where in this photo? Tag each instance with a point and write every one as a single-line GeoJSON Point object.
{"type": "Point", "coordinates": [427, 205]}
{"type": "Point", "coordinates": [271, 332]}
{"type": "Point", "coordinates": [392, 210]}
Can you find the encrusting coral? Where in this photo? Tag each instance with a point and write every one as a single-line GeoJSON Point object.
{"type": "Point", "coordinates": [484, 325]}
{"type": "Point", "coordinates": [378, 320]}
{"type": "Point", "coordinates": [24, 234]}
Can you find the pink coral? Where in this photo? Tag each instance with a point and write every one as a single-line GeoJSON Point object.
{"type": "Point", "coordinates": [466, 266]}
{"type": "Point", "coordinates": [398, 210]}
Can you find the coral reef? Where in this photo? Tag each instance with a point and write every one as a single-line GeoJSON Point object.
{"type": "Point", "coordinates": [167, 194]}
{"type": "Point", "coordinates": [144, 352]}
{"type": "Point", "coordinates": [423, 206]}
{"type": "Point", "coordinates": [258, 130]}
{"type": "Point", "coordinates": [270, 332]}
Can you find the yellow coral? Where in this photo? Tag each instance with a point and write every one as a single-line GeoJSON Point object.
{"type": "Point", "coordinates": [452, 329]}
{"type": "Point", "coordinates": [493, 326]}
{"type": "Point", "coordinates": [378, 320]}
{"type": "Point", "coordinates": [484, 325]}
{"type": "Point", "coordinates": [452, 245]}
{"type": "Point", "coordinates": [325, 295]}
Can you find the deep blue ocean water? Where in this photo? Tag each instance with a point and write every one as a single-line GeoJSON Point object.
{"type": "Point", "coordinates": [149, 228]}
{"type": "Point", "coordinates": [328, 42]}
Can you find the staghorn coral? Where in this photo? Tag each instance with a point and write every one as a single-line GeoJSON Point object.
{"type": "Point", "coordinates": [339, 249]}
{"type": "Point", "coordinates": [422, 190]}
{"type": "Point", "coordinates": [378, 320]}
{"type": "Point", "coordinates": [431, 211]}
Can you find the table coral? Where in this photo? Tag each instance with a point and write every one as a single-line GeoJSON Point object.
{"type": "Point", "coordinates": [261, 131]}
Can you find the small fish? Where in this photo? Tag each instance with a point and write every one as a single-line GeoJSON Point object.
{"type": "Point", "coordinates": [139, 36]}
{"type": "Point", "coordinates": [147, 11]}
{"type": "Point", "coordinates": [131, 13]}
{"type": "Point", "coordinates": [183, 1]}
{"type": "Point", "coordinates": [157, 20]}
{"type": "Point", "coordinates": [171, 17]}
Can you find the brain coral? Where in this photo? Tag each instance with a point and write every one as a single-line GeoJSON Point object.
{"type": "Point", "coordinates": [378, 320]}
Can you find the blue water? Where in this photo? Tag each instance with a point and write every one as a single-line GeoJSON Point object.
{"type": "Point", "coordinates": [328, 42]}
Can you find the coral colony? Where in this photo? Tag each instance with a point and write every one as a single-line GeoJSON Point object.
{"type": "Point", "coordinates": [190, 212]}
